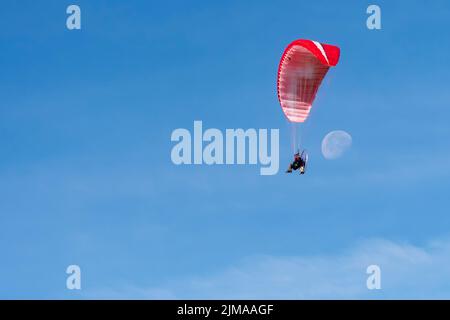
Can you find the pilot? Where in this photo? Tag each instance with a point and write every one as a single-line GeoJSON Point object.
{"type": "Point", "coordinates": [298, 164]}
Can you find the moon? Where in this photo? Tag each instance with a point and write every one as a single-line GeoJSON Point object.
{"type": "Point", "coordinates": [335, 143]}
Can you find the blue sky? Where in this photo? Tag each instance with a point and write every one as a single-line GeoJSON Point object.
{"type": "Point", "coordinates": [86, 176]}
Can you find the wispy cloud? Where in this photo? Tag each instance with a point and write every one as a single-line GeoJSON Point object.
{"type": "Point", "coordinates": [407, 271]}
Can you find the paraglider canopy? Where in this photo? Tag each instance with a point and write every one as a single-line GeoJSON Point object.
{"type": "Point", "coordinates": [302, 68]}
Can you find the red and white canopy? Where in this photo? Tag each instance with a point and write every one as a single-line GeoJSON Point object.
{"type": "Point", "coordinates": [302, 68]}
